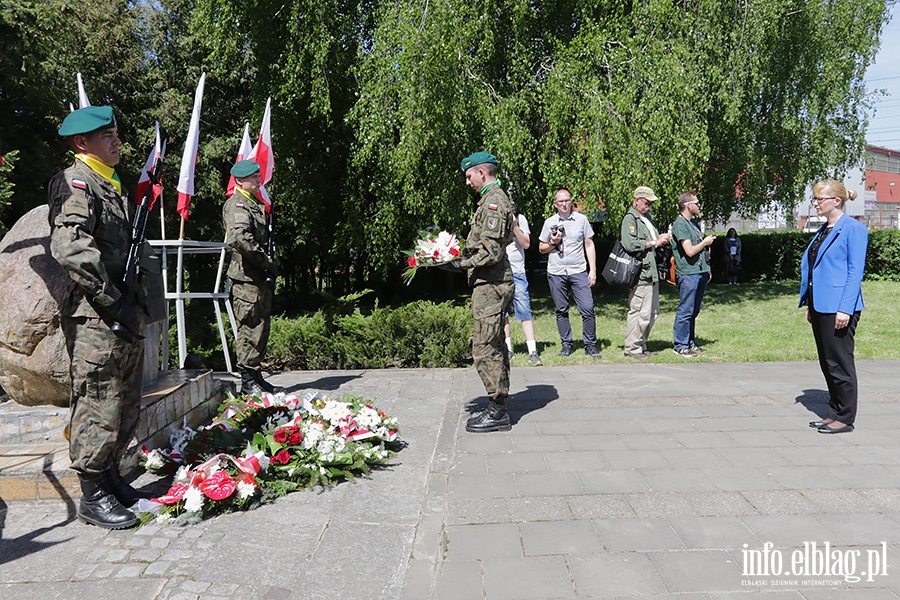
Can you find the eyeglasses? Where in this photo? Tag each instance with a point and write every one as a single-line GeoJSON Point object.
{"type": "Point", "coordinates": [648, 201]}
{"type": "Point", "coordinates": [562, 201]}
{"type": "Point", "coordinates": [816, 200]}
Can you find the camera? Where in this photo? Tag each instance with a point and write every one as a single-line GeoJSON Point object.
{"type": "Point", "coordinates": [557, 228]}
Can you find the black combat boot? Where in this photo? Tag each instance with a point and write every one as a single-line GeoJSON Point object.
{"type": "Point", "coordinates": [265, 385]}
{"type": "Point", "coordinates": [494, 418]}
{"type": "Point", "coordinates": [122, 490]}
{"type": "Point", "coordinates": [249, 385]}
{"type": "Point", "coordinates": [100, 507]}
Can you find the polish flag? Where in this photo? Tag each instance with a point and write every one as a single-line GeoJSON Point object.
{"type": "Point", "coordinates": [262, 154]}
{"type": "Point", "coordinates": [243, 151]}
{"type": "Point", "coordinates": [189, 158]}
{"type": "Point", "coordinates": [82, 95]}
{"type": "Point", "coordinates": [143, 184]}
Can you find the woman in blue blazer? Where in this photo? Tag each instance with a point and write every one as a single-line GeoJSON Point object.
{"type": "Point", "coordinates": [831, 273]}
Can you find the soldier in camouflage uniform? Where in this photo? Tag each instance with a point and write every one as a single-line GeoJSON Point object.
{"type": "Point", "coordinates": [90, 220]}
{"type": "Point", "coordinates": [252, 273]}
{"type": "Point", "coordinates": [491, 278]}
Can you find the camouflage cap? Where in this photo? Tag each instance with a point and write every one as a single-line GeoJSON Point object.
{"type": "Point", "coordinates": [479, 158]}
{"type": "Point", "coordinates": [245, 168]}
{"type": "Point", "coordinates": [645, 193]}
{"type": "Point", "coordinates": [87, 119]}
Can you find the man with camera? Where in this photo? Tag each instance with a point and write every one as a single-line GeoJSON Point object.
{"type": "Point", "coordinates": [90, 237]}
{"type": "Point", "coordinates": [640, 237]}
{"type": "Point", "coordinates": [691, 252]}
{"type": "Point", "coordinates": [252, 274]}
{"type": "Point", "coordinates": [571, 268]}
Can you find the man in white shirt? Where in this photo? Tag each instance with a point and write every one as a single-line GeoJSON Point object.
{"type": "Point", "coordinates": [522, 301]}
{"type": "Point", "coordinates": [571, 267]}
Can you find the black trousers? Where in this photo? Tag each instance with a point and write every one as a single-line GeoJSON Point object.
{"type": "Point", "coordinates": [835, 347]}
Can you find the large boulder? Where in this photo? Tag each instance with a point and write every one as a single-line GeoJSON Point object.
{"type": "Point", "coordinates": [34, 365]}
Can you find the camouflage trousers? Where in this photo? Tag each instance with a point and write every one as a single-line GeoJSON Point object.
{"type": "Point", "coordinates": [490, 303]}
{"type": "Point", "coordinates": [106, 374]}
{"type": "Point", "coordinates": [253, 311]}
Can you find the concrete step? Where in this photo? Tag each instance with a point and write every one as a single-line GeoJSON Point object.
{"type": "Point", "coordinates": [34, 454]}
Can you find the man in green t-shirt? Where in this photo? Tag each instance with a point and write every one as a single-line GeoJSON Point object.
{"type": "Point", "coordinates": [692, 272]}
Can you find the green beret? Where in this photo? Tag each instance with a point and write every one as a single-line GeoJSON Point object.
{"type": "Point", "coordinates": [87, 119]}
{"type": "Point", "coordinates": [479, 158]}
{"type": "Point", "coordinates": [245, 168]}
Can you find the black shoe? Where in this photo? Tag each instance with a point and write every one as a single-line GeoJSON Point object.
{"type": "Point", "coordinates": [844, 429]}
{"type": "Point", "coordinates": [493, 418]}
{"type": "Point", "coordinates": [818, 424]}
{"type": "Point", "coordinates": [100, 507]}
{"type": "Point", "coordinates": [265, 385]}
{"type": "Point", "coordinates": [592, 352]}
{"type": "Point", "coordinates": [249, 385]}
{"type": "Point", "coordinates": [122, 490]}
{"type": "Point", "coordinates": [566, 350]}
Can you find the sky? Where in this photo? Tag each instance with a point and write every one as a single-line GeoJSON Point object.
{"type": "Point", "coordinates": [884, 125]}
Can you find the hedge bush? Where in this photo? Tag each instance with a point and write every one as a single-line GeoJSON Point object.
{"type": "Point", "coordinates": [418, 334]}
{"type": "Point", "coordinates": [776, 256]}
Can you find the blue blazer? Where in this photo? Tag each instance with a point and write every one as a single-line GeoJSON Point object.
{"type": "Point", "coordinates": [838, 272]}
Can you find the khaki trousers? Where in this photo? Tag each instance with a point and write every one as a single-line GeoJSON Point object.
{"type": "Point", "coordinates": [643, 308]}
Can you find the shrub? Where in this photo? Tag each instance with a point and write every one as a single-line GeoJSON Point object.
{"type": "Point", "coordinates": [419, 334]}
{"type": "Point", "coordinates": [776, 256]}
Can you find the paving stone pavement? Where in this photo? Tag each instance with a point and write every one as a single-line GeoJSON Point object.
{"type": "Point", "coordinates": [665, 481]}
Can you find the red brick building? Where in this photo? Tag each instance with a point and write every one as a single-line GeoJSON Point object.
{"type": "Point", "coordinates": [882, 189]}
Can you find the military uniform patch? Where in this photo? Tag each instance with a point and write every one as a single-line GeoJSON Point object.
{"type": "Point", "coordinates": [239, 205]}
{"type": "Point", "coordinates": [631, 229]}
{"type": "Point", "coordinates": [76, 206]}
{"type": "Point", "coordinates": [79, 184]}
{"type": "Point", "coordinates": [492, 223]}
{"type": "Point", "coordinates": [492, 207]}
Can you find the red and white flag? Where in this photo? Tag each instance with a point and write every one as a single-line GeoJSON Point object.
{"type": "Point", "coordinates": [189, 158]}
{"type": "Point", "coordinates": [143, 183]}
{"type": "Point", "coordinates": [243, 151]}
{"type": "Point", "coordinates": [262, 154]}
{"type": "Point", "coordinates": [82, 95]}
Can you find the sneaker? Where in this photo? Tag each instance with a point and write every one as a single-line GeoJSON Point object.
{"type": "Point", "coordinates": [535, 360]}
{"type": "Point", "coordinates": [592, 352]}
{"type": "Point", "coordinates": [566, 350]}
{"type": "Point", "coordinates": [697, 349]}
{"type": "Point", "coordinates": [685, 352]}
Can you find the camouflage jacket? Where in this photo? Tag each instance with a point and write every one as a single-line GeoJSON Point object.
{"type": "Point", "coordinates": [247, 234]}
{"type": "Point", "coordinates": [90, 237]}
{"type": "Point", "coordinates": [491, 232]}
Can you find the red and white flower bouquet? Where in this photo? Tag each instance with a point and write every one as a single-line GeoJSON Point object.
{"type": "Point", "coordinates": [262, 447]}
{"type": "Point", "coordinates": [434, 247]}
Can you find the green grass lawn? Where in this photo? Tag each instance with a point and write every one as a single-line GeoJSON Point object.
{"type": "Point", "coordinates": [751, 322]}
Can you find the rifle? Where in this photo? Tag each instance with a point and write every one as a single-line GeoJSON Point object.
{"type": "Point", "coordinates": [138, 237]}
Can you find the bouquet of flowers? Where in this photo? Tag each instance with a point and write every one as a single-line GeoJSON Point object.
{"type": "Point", "coordinates": [434, 247]}
{"type": "Point", "coordinates": [262, 447]}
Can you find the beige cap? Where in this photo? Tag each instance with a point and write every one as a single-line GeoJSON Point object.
{"type": "Point", "coordinates": [645, 193]}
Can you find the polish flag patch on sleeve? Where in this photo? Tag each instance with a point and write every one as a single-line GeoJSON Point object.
{"type": "Point", "coordinates": [492, 206]}
{"type": "Point", "coordinates": [79, 184]}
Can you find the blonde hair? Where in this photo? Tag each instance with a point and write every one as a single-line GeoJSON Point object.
{"type": "Point", "coordinates": [837, 190]}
